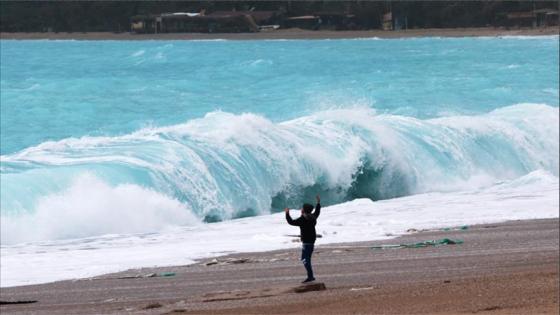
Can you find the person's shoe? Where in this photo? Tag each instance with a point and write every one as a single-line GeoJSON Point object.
{"type": "Point", "coordinates": [308, 280]}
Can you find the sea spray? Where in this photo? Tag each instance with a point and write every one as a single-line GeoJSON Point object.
{"type": "Point", "coordinates": [91, 207]}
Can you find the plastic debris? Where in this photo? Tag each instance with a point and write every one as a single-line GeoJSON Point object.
{"type": "Point", "coordinates": [226, 261]}
{"type": "Point", "coordinates": [18, 302]}
{"type": "Point", "coordinates": [212, 262]}
{"type": "Point", "coordinates": [464, 227]}
{"type": "Point", "coordinates": [443, 241]}
{"type": "Point", "coordinates": [137, 276]}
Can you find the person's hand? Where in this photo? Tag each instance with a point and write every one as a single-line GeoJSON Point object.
{"type": "Point", "coordinates": [318, 198]}
{"type": "Point", "coordinates": [286, 210]}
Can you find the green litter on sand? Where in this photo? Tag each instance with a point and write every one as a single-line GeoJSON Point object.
{"type": "Point", "coordinates": [443, 241]}
{"type": "Point", "coordinates": [464, 227]}
{"type": "Point", "coordinates": [166, 274]}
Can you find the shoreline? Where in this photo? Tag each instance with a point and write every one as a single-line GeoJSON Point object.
{"type": "Point", "coordinates": [290, 34]}
{"type": "Point", "coordinates": [501, 268]}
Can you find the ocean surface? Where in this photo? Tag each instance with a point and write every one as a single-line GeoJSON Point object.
{"type": "Point", "coordinates": [123, 154]}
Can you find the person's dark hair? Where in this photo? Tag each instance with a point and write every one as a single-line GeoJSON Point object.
{"type": "Point", "coordinates": [307, 208]}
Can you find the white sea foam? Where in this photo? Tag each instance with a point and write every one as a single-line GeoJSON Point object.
{"type": "Point", "coordinates": [91, 207]}
{"type": "Point", "coordinates": [138, 53]}
{"type": "Point", "coordinates": [532, 196]}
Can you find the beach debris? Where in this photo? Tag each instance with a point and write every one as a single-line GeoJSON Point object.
{"type": "Point", "coordinates": [443, 241]}
{"type": "Point", "coordinates": [125, 277]}
{"type": "Point", "coordinates": [413, 230]}
{"type": "Point", "coordinates": [151, 306]}
{"type": "Point", "coordinates": [226, 261]}
{"type": "Point", "coordinates": [137, 276]}
{"type": "Point", "coordinates": [212, 262]}
{"type": "Point", "coordinates": [387, 246]}
{"type": "Point", "coordinates": [446, 281]}
{"type": "Point", "coordinates": [151, 275]}
{"type": "Point", "coordinates": [461, 228]}
{"type": "Point", "coordinates": [18, 302]}
{"type": "Point", "coordinates": [361, 289]}
{"type": "Point", "coordinates": [268, 260]}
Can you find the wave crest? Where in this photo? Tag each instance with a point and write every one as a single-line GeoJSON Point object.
{"type": "Point", "coordinates": [224, 166]}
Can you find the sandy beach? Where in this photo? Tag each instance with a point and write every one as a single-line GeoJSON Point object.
{"type": "Point", "coordinates": [291, 34]}
{"type": "Point", "coordinates": [507, 268]}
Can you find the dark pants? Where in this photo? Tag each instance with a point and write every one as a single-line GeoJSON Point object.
{"type": "Point", "coordinates": [306, 251]}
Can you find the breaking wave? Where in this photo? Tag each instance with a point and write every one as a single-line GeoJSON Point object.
{"type": "Point", "coordinates": [225, 166]}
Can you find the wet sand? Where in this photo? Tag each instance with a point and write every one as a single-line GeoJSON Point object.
{"type": "Point", "coordinates": [291, 34]}
{"type": "Point", "coordinates": [508, 268]}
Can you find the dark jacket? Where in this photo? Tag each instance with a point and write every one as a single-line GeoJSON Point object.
{"type": "Point", "coordinates": [306, 224]}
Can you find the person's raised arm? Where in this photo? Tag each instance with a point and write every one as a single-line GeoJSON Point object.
{"type": "Point", "coordinates": [317, 211]}
{"type": "Point", "coordinates": [289, 218]}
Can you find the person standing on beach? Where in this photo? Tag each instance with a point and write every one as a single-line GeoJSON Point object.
{"type": "Point", "coordinates": [306, 223]}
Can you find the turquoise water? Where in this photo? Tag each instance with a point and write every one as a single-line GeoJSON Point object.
{"type": "Point", "coordinates": [224, 129]}
{"type": "Point", "coordinates": [53, 90]}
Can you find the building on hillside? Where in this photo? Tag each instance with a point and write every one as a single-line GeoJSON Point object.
{"type": "Point", "coordinates": [323, 21]}
{"type": "Point", "coordinates": [260, 17]}
{"type": "Point", "coordinates": [393, 22]}
{"type": "Point", "coordinates": [546, 17]}
{"type": "Point", "coordinates": [309, 22]}
{"type": "Point", "coordinates": [535, 18]}
{"type": "Point", "coordinates": [330, 20]}
{"type": "Point", "coordinates": [216, 22]}
{"type": "Point", "coordinates": [144, 24]}
{"type": "Point", "coordinates": [521, 19]}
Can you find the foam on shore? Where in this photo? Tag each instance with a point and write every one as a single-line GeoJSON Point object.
{"type": "Point", "coordinates": [529, 197]}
